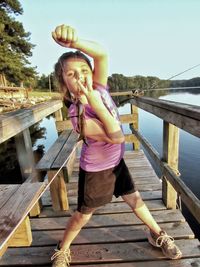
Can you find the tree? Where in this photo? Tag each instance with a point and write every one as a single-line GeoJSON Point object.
{"type": "Point", "coordinates": [15, 47]}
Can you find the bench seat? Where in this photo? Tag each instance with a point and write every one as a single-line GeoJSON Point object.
{"type": "Point", "coordinates": [60, 155]}
{"type": "Point", "coordinates": [16, 202]}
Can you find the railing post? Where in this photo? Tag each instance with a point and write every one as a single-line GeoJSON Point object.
{"type": "Point", "coordinates": [134, 111]}
{"type": "Point", "coordinates": [58, 115]}
{"type": "Point", "coordinates": [170, 155]}
{"type": "Point", "coordinates": [25, 153]}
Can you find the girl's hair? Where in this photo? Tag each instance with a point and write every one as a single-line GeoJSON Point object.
{"type": "Point", "coordinates": [58, 72]}
{"type": "Point", "coordinates": [59, 69]}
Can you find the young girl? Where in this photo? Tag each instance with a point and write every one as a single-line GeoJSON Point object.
{"type": "Point", "coordinates": [103, 172]}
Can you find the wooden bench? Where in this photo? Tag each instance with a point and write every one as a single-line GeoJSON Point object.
{"type": "Point", "coordinates": [16, 201]}
{"type": "Point", "coordinates": [61, 156]}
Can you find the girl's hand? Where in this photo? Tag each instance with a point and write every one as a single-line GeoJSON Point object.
{"type": "Point", "coordinates": [65, 35]}
{"type": "Point", "coordinates": [93, 96]}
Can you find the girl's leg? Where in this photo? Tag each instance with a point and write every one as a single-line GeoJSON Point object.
{"type": "Point", "coordinates": [136, 203]}
{"type": "Point", "coordinates": [75, 224]}
{"type": "Point", "coordinates": [156, 236]}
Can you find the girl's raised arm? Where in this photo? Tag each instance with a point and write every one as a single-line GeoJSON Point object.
{"type": "Point", "coordinates": [66, 36]}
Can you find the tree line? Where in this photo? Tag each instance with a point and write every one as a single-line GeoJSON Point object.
{"type": "Point", "coordinates": [16, 49]}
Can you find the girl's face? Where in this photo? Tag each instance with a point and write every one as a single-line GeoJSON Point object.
{"type": "Point", "coordinates": [76, 69]}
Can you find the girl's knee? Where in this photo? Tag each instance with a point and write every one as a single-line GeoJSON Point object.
{"type": "Point", "coordinates": [134, 200]}
{"type": "Point", "coordinates": [84, 217]}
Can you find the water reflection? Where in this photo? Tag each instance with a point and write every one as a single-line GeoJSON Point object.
{"type": "Point", "coordinates": [43, 134]}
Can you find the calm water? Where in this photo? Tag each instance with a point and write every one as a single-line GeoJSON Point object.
{"type": "Point", "coordinates": [44, 134]}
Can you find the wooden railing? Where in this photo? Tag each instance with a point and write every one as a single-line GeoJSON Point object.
{"type": "Point", "coordinates": [16, 124]}
{"type": "Point", "coordinates": [174, 115]}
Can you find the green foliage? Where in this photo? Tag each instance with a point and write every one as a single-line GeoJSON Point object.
{"type": "Point", "coordinates": [15, 47]}
{"type": "Point", "coordinates": [119, 82]}
{"type": "Point", "coordinates": [186, 83]}
{"type": "Point", "coordinates": [47, 82]}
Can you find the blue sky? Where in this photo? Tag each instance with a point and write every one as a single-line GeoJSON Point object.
{"type": "Point", "coordinates": [143, 37]}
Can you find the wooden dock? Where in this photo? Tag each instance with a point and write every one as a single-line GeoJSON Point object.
{"type": "Point", "coordinates": [114, 236]}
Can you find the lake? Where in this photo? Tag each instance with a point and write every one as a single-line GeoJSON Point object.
{"type": "Point", "coordinates": [44, 134]}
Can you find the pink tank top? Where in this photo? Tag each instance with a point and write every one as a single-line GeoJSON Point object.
{"type": "Point", "coordinates": [98, 155]}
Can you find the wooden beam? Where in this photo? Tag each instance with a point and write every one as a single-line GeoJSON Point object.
{"type": "Point", "coordinates": [170, 155]}
{"type": "Point", "coordinates": [63, 125]}
{"type": "Point", "coordinates": [58, 191]}
{"type": "Point", "coordinates": [24, 153]}
{"type": "Point", "coordinates": [22, 236]}
{"type": "Point", "coordinates": [135, 123]}
{"type": "Point", "coordinates": [186, 117]}
{"type": "Point", "coordinates": [15, 122]}
{"type": "Point", "coordinates": [58, 115]}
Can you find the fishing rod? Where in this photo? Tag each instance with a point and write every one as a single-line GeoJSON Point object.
{"type": "Point", "coordinates": [173, 76]}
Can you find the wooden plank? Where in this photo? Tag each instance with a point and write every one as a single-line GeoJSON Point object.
{"type": "Point", "coordinates": [58, 191]}
{"type": "Point", "coordinates": [137, 180]}
{"type": "Point", "coordinates": [22, 236]}
{"type": "Point", "coordinates": [128, 118]}
{"type": "Point", "coordinates": [115, 207]}
{"type": "Point", "coordinates": [170, 155]}
{"type": "Point", "coordinates": [63, 125]}
{"type": "Point", "coordinates": [101, 253]}
{"type": "Point", "coordinates": [148, 195]}
{"type": "Point", "coordinates": [102, 235]}
{"type": "Point", "coordinates": [123, 207]}
{"type": "Point", "coordinates": [15, 210]}
{"type": "Point", "coordinates": [141, 187]}
{"type": "Point", "coordinates": [189, 110]}
{"type": "Point", "coordinates": [25, 153]}
{"type": "Point", "coordinates": [52, 223]}
{"type": "Point", "coordinates": [6, 191]}
{"type": "Point", "coordinates": [130, 138]}
{"type": "Point", "coordinates": [190, 122]}
{"type": "Point", "coordinates": [164, 263]}
{"type": "Point", "coordinates": [121, 93]}
{"type": "Point", "coordinates": [47, 160]}
{"type": "Point", "coordinates": [66, 150]}
{"type": "Point", "coordinates": [12, 123]}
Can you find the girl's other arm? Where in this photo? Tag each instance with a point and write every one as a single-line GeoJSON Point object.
{"type": "Point", "coordinates": [94, 129]}
{"type": "Point", "coordinates": [67, 36]}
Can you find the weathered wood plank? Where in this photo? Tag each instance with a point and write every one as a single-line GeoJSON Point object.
{"type": "Point", "coordinates": [123, 207]}
{"type": "Point", "coordinates": [106, 220]}
{"type": "Point", "coordinates": [47, 160]}
{"type": "Point", "coordinates": [6, 191]}
{"type": "Point", "coordinates": [189, 122]}
{"type": "Point", "coordinates": [58, 190]}
{"type": "Point", "coordinates": [146, 195]}
{"type": "Point", "coordinates": [101, 253]}
{"type": "Point", "coordinates": [14, 122]}
{"type": "Point", "coordinates": [164, 263]}
{"type": "Point", "coordinates": [16, 208]}
{"type": "Point", "coordinates": [66, 150]}
{"type": "Point", "coordinates": [130, 138]}
{"type": "Point", "coordinates": [170, 155]}
{"type": "Point", "coordinates": [111, 234]}
{"type": "Point", "coordinates": [22, 236]}
{"type": "Point", "coordinates": [128, 118]}
{"type": "Point", "coordinates": [189, 110]}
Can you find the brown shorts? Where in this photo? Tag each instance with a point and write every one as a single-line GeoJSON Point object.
{"type": "Point", "coordinates": [97, 188]}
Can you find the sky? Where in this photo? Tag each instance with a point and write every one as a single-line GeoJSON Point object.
{"type": "Point", "coordinates": [142, 37]}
